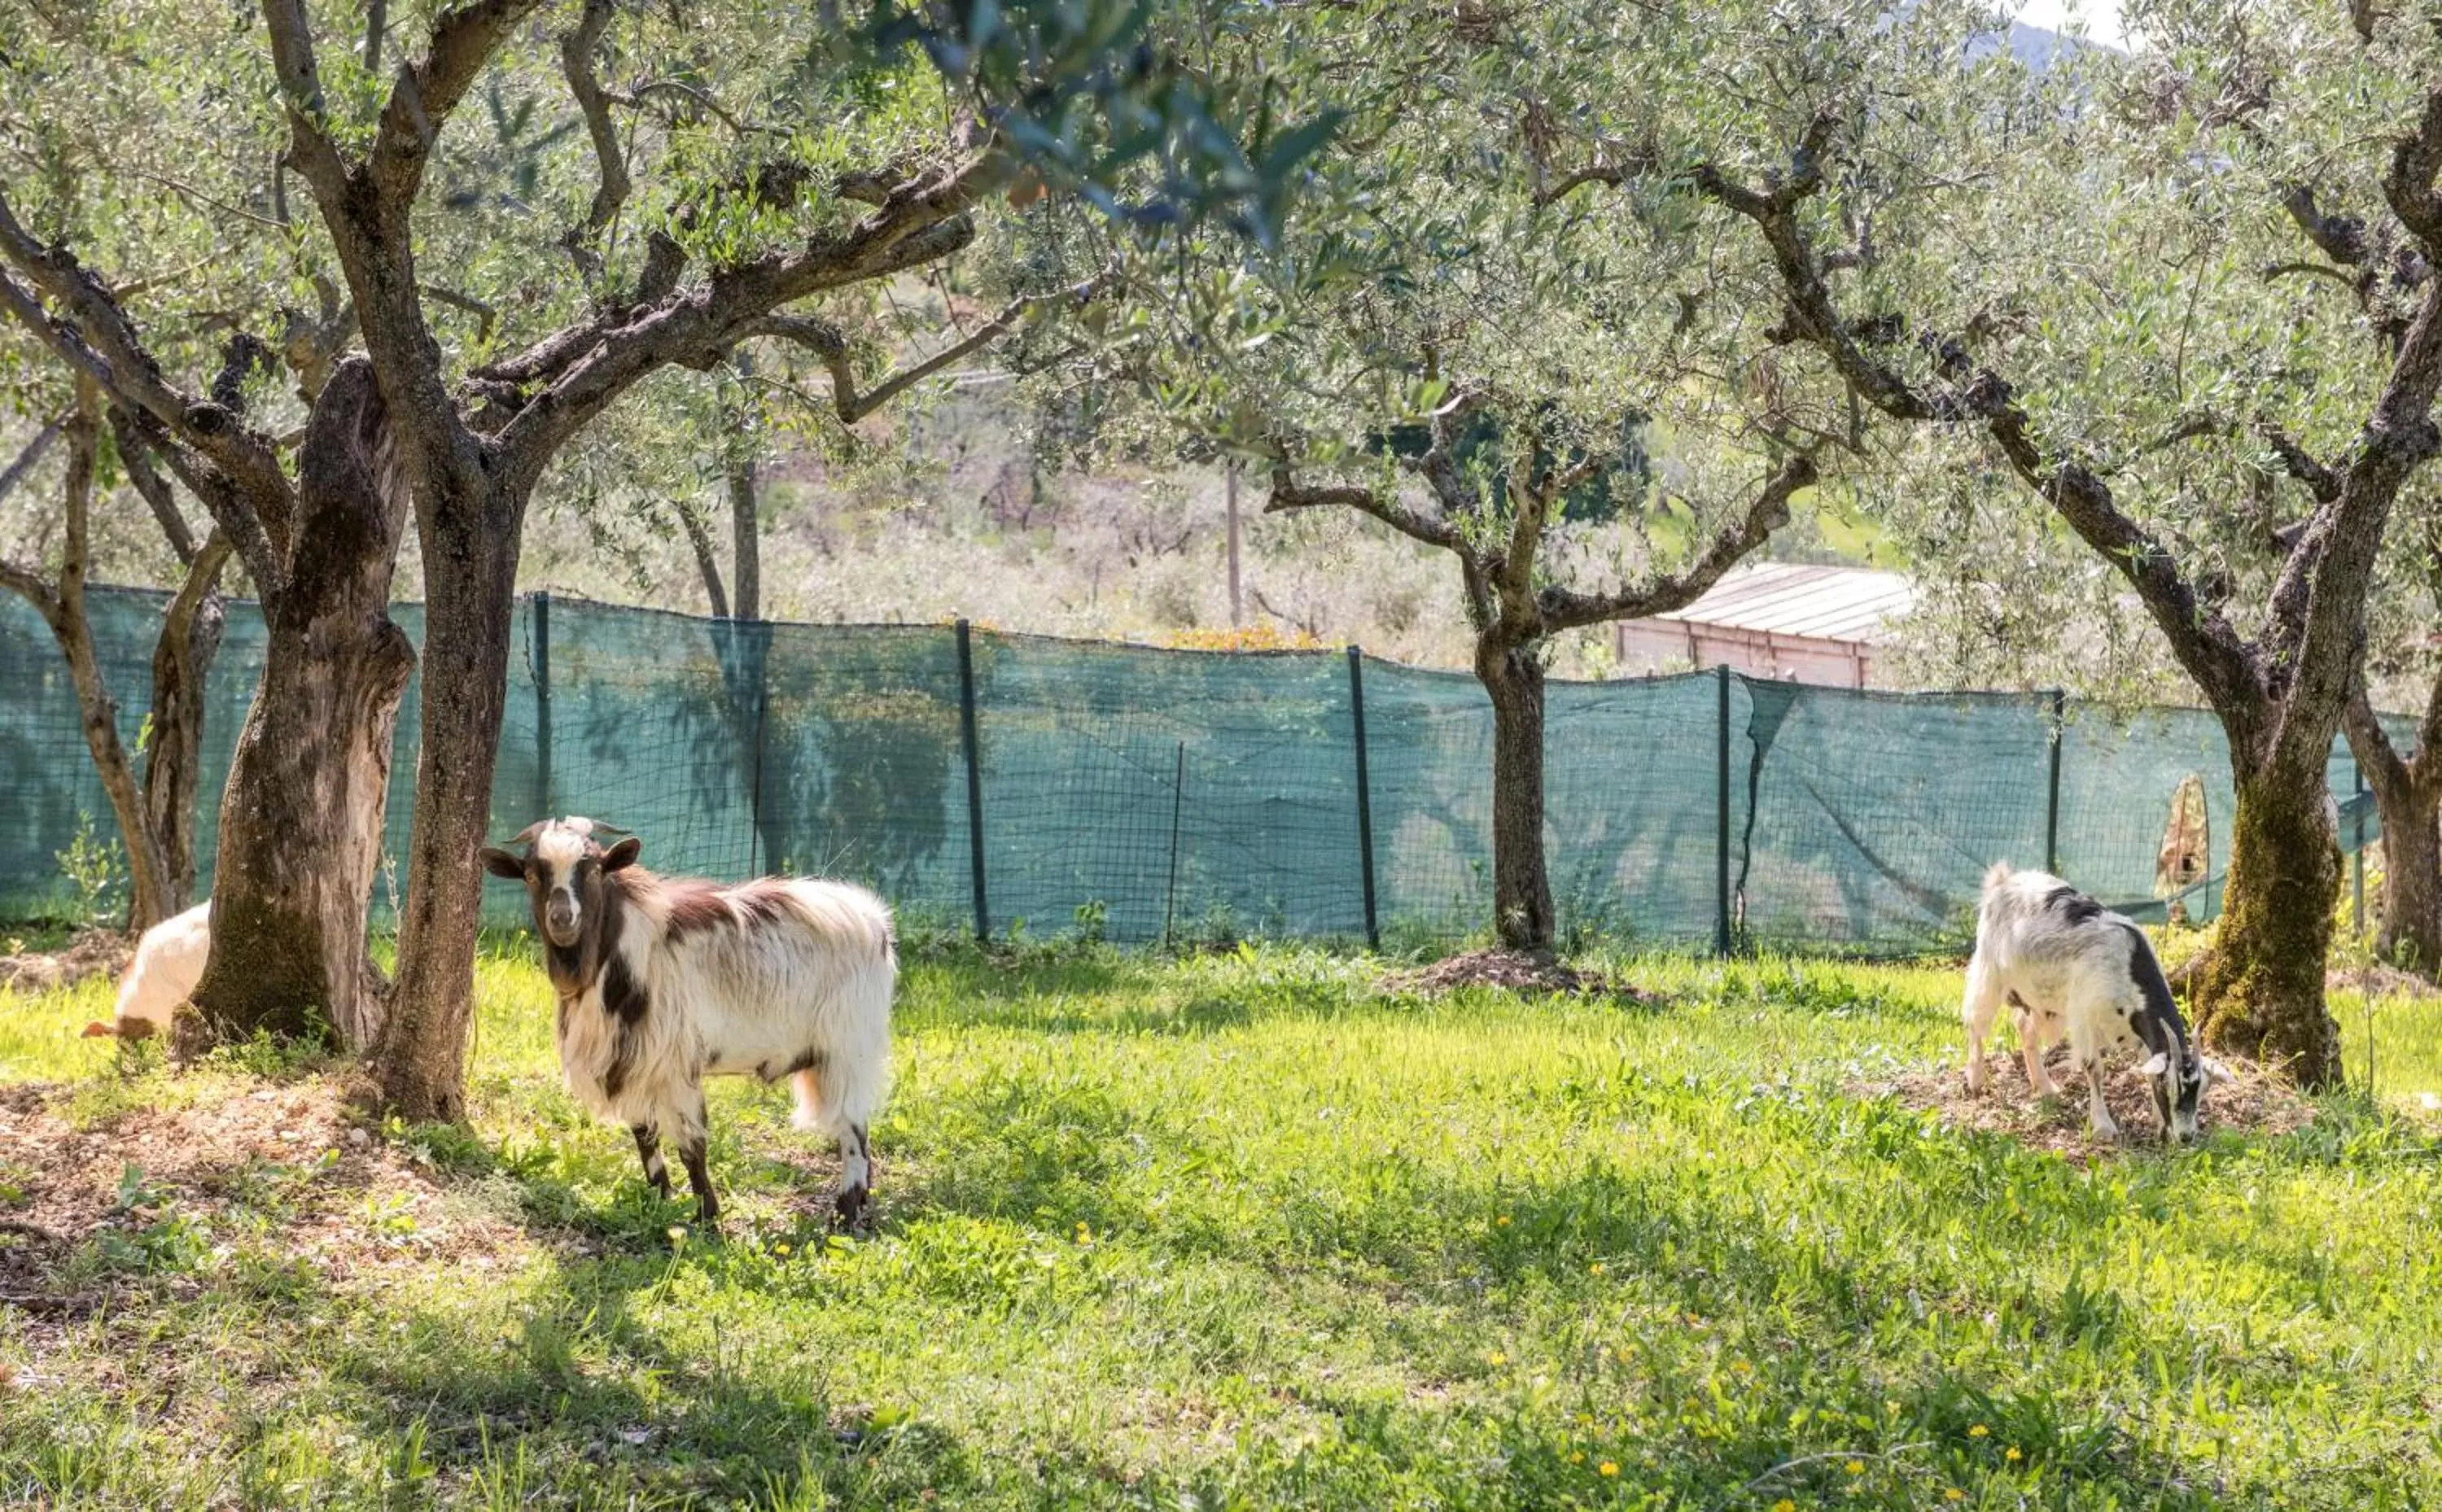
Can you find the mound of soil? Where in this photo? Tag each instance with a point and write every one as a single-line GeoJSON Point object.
{"type": "Point", "coordinates": [344, 1202]}
{"type": "Point", "coordinates": [93, 953]}
{"type": "Point", "coordinates": [2254, 1103]}
{"type": "Point", "coordinates": [1516, 970]}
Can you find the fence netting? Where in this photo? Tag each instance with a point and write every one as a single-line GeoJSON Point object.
{"type": "Point", "coordinates": [1043, 785]}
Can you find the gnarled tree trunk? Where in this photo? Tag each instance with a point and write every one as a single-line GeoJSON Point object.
{"type": "Point", "coordinates": [2408, 794]}
{"type": "Point", "coordinates": [302, 819]}
{"type": "Point", "coordinates": [470, 565]}
{"type": "Point", "coordinates": [182, 659]}
{"type": "Point", "coordinates": [2411, 935]}
{"type": "Point", "coordinates": [1521, 883]}
{"type": "Point", "coordinates": [2262, 992]}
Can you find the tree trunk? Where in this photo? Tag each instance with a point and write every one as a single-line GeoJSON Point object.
{"type": "Point", "coordinates": [1522, 885]}
{"type": "Point", "coordinates": [707, 565]}
{"type": "Point", "coordinates": [746, 536]}
{"type": "Point", "coordinates": [149, 895]}
{"type": "Point", "coordinates": [470, 553]}
{"type": "Point", "coordinates": [2407, 793]}
{"type": "Point", "coordinates": [302, 819]}
{"type": "Point", "coordinates": [2411, 937]}
{"type": "Point", "coordinates": [182, 658]}
{"type": "Point", "coordinates": [2262, 992]}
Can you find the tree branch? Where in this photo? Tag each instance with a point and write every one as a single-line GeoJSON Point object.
{"type": "Point", "coordinates": [707, 563]}
{"type": "Point", "coordinates": [2321, 481]}
{"type": "Point", "coordinates": [2386, 772]}
{"type": "Point", "coordinates": [1564, 609]}
{"type": "Point", "coordinates": [576, 67]}
{"type": "Point", "coordinates": [2207, 645]}
{"type": "Point", "coordinates": [1289, 494]}
{"type": "Point", "coordinates": [826, 341]}
{"type": "Point", "coordinates": [99, 341]}
{"type": "Point", "coordinates": [464, 40]}
{"type": "Point", "coordinates": [30, 458]}
{"type": "Point", "coordinates": [136, 457]}
{"type": "Point", "coordinates": [589, 368]}
{"type": "Point", "coordinates": [2408, 185]}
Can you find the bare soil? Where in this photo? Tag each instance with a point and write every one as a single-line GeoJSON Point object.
{"type": "Point", "coordinates": [2254, 1102]}
{"type": "Point", "coordinates": [92, 952]}
{"type": "Point", "coordinates": [336, 1198]}
{"type": "Point", "coordinates": [1515, 970]}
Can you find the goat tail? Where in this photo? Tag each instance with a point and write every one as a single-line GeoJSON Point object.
{"type": "Point", "coordinates": [847, 1085]}
{"type": "Point", "coordinates": [845, 1089]}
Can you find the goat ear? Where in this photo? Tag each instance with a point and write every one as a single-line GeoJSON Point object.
{"type": "Point", "coordinates": [2156, 1067]}
{"type": "Point", "coordinates": [500, 864]}
{"type": "Point", "coordinates": [99, 1030]}
{"type": "Point", "coordinates": [622, 854]}
{"type": "Point", "coordinates": [2216, 1072]}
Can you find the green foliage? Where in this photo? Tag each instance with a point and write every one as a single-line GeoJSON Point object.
{"type": "Point", "coordinates": [97, 869]}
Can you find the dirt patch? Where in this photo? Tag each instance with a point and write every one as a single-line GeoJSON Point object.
{"type": "Point", "coordinates": [2253, 1101]}
{"type": "Point", "coordinates": [87, 1212]}
{"type": "Point", "coordinates": [93, 953]}
{"type": "Point", "coordinates": [1515, 970]}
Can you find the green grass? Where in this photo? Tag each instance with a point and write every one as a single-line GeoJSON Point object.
{"type": "Point", "coordinates": [1236, 1230]}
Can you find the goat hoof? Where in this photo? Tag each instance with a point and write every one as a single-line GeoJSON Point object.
{"type": "Point", "coordinates": [852, 1208]}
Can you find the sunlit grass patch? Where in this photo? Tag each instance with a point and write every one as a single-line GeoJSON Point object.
{"type": "Point", "coordinates": [1243, 1228]}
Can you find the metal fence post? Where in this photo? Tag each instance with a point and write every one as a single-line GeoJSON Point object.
{"type": "Point", "coordinates": [1722, 814]}
{"type": "Point", "coordinates": [540, 623]}
{"type": "Point", "coordinates": [1178, 804]}
{"type": "Point", "coordinates": [758, 641]}
{"type": "Point", "coordinates": [1364, 795]}
{"type": "Point", "coordinates": [2357, 861]}
{"type": "Point", "coordinates": [2052, 798]}
{"type": "Point", "coordinates": [974, 775]}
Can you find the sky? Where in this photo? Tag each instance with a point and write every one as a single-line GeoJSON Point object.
{"type": "Point", "coordinates": [2102, 17]}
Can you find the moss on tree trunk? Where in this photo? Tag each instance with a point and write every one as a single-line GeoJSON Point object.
{"type": "Point", "coordinates": [2262, 992]}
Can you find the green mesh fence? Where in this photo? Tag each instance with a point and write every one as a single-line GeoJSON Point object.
{"type": "Point", "coordinates": [1154, 795]}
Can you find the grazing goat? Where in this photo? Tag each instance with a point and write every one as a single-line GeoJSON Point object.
{"type": "Point", "coordinates": [663, 982]}
{"type": "Point", "coordinates": [169, 962]}
{"type": "Point", "coordinates": [2064, 962]}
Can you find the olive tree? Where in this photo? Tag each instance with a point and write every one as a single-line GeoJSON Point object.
{"type": "Point", "coordinates": [829, 157]}
{"type": "Point", "coordinates": [2141, 285]}
{"type": "Point", "coordinates": [1455, 340]}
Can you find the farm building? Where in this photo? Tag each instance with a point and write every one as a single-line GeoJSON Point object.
{"type": "Point", "coordinates": [1820, 624]}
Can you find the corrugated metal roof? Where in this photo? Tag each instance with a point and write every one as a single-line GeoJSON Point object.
{"type": "Point", "coordinates": [1784, 598]}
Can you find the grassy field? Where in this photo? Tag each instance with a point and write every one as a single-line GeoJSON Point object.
{"type": "Point", "coordinates": [1230, 1232]}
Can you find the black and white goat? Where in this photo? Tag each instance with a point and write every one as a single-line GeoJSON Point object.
{"type": "Point", "coordinates": [663, 982]}
{"type": "Point", "coordinates": [2068, 964]}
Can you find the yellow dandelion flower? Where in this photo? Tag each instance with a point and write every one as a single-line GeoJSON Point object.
{"type": "Point", "coordinates": [1497, 1358]}
{"type": "Point", "coordinates": [1577, 1458]}
{"type": "Point", "coordinates": [1954, 1494]}
{"type": "Point", "coordinates": [2013, 1456]}
{"type": "Point", "coordinates": [1784, 1505]}
{"type": "Point", "coordinates": [1856, 1467]}
{"type": "Point", "coordinates": [1979, 1430]}
{"type": "Point", "coordinates": [1595, 1268]}
{"type": "Point", "coordinates": [781, 1249]}
{"type": "Point", "coordinates": [1607, 1467]}
{"type": "Point", "coordinates": [1502, 1221]}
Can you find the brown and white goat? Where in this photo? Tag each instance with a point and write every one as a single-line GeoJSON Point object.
{"type": "Point", "coordinates": [663, 982]}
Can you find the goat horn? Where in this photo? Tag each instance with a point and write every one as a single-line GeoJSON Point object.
{"type": "Point", "coordinates": [588, 826]}
{"type": "Point", "coordinates": [526, 835]}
